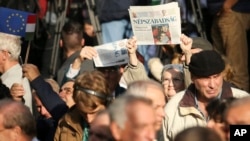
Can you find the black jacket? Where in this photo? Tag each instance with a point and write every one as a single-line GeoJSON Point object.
{"type": "Point", "coordinates": [53, 103]}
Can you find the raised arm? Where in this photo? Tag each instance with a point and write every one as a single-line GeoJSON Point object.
{"type": "Point", "coordinates": [87, 52]}
{"type": "Point", "coordinates": [135, 70]}
{"type": "Point", "coordinates": [186, 44]}
{"type": "Point", "coordinates": [132, 47]}
{"type": "Point", "coordinates": [50, 99]}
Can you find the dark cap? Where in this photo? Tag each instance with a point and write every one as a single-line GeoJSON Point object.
{"type": "Point", "coordinates": [206, 63]}
{"type": "Point", "coordinates": [199, 42]}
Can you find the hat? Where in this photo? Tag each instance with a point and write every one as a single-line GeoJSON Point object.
{"type": "Point", "coordinates": [199, 42]}
{"type": "Point", "coordinates": [206, 63]}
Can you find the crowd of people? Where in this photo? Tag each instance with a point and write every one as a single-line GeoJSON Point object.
{"type": "Point", "coordinates": [194, 96]}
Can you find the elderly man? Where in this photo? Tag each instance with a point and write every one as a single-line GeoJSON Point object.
{"type": "Point", "coordinates": [187, 108]}
{"type": "Point", "coordinates": [132, 119]}
{"type": "Point", "coordinates": [154, 91]}
{"type": "Point", "coordinates": [16, 121]}
{"type": "Point", "coordinates": [11, 70]}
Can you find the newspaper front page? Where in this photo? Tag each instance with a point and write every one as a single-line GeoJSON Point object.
{"type": "Point", "coordinates": [111, 54]}
{"type": "Point", "coordinates": [156, 25]}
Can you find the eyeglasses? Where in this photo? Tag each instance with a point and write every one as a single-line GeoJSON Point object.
{"type": "Point", "coordinates": [173, 80]}
{"type": "Point", "coordinates": [66, 90]}
{"type": "Point", "coordinates": [6, 51]}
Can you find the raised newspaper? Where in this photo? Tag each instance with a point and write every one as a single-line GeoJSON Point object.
{"type": "Point", "coordinates": [158, 24]}
{"type": "Point", "coordinates": [111, 54]}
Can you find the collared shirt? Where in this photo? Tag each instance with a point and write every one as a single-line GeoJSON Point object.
{"type": "Point", "coordinates": [197, 105]}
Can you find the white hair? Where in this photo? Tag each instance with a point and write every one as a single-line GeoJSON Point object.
{"type": "Point", "coordinates": [118, 109]}
{"type": "Point", "coordinates": [140, 87]}
{"type": "Point", "coordinates": [178, 67]}
{"type": "Point", "coordinates": [12, 44]}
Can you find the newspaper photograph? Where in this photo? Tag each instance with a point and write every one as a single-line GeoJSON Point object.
{"type": "Point", "coordinates": [111, 54]}
{"type": "Point", "coordinates": [156, 25]}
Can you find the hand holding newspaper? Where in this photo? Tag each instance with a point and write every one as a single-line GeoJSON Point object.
{"type": "Point", "coordinates": [158, 24]}
{"type": "Point", "coordinates": [111, 54]}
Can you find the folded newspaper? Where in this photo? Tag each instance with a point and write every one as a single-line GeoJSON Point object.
{"type": "Point", "coordinates": [158, 24]}
{"type": "Point", "coordinates": [111, 54]}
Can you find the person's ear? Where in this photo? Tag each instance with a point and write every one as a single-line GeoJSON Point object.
{"type": "Point", "coordinates": [61, 43]}
{"type": "Point", "coordinates": [17, 131]}
{"type": "Point", "coordinates": [82, 42]}
{"type": "Point", "coordinates": [115, 130]}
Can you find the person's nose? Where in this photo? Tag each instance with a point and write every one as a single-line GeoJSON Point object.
{"type": "Point", "coordinates": [171, 83]}
{"type": "Point", "coordinates": [211, 82]}
{"type": "Point", "coordinates": [160, 112]}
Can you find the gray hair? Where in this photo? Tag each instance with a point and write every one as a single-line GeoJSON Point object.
{"type": "Point", "coordinates": [17, 114]}
{"type": "Point", "coordinates": [118, 109]}
{"type": "Point", "coordinates": [12, 44]}
{"type": "Point", "coordinates": [167, 67]}
{"type": "Point", "coordinates": [140, 87]}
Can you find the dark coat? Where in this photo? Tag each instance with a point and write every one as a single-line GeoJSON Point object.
{"type": "Point", "coordinates": [87, 65]}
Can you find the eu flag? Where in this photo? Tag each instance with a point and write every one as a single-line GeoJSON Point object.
{"type": "Point", "coordinates": [13, 21]}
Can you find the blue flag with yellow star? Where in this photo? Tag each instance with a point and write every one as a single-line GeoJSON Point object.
{"type": "Point", "coordinates": [17, 22]}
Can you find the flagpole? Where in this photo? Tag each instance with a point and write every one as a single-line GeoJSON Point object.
{"type": "Point", "coordinates": [27, 53]}
{"type": "Point", "coordinates": [23, 22]}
